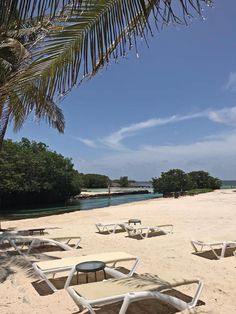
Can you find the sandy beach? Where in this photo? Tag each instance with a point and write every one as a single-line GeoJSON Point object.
{"type": "Point", "coordinates": [209, 217]}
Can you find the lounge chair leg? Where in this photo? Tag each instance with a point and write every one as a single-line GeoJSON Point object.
{"type": "Point", "coordinates": [78, 242]}
{"type": "Point", "coordinates": [133, 269]}
{"type": "Point", "coordinates": [194, 246]}
{"type": "Point", "coordinates": [104, 273]}
{"type": "Point", "coordinates": [223, 250]}
{"type": "Point", "coordinates": [30, 247]}
{"type": "Point", "coordinates": [125, 305]}
{"type": "Point", "coordinates": [197, 295]}
{"type": "Point", "coordinates": [214, 252]}
{"type": "Point", "coordinates": [80, 302]}
{"type": "Point", "coordinates": [69, 278]}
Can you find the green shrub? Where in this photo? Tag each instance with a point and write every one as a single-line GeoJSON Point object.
{"type": "Point", "coordinates": [198, 191]}
{"type": "Point", "coordinates": [31, 173]}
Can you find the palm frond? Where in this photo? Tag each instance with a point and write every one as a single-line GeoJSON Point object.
{"type": "Point", "coordinates": [25, 31]}
{"type": "Point", "coordinates": [79, 44]}
{"type": "Point", "coordinates": [77, 41]}
{"type": "Point", "coordinates": [13, 52]}
{"type": "Point", "coordinates": [49, 112]}
{"type": "Point", "coordinates": [18, 11]}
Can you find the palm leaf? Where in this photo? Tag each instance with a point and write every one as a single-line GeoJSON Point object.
{"type": "Point", "coordinates": [79, 44]}
{"type": "Point", "coordinates": [22, 10]}
{"type": "Point", "coordinates": [50, 112]}
{"type": "Point", "coordinates": [73, 43]}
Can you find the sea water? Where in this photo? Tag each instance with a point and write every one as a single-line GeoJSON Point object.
{"type": "Point", "coordinates": [82, 204]}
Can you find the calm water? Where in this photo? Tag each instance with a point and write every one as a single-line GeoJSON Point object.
{"type": "Point", "coordinates": [84, 204]}
{"type": "Point", "coordinates": [228, 184]}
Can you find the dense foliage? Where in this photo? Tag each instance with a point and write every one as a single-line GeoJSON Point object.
{"type": "Point", "coordinates": [176, 180]}
{"type": "Point", "coordinates": [173, 180]}
{"type": "Point", "coordinates": [202, 180]}
{"type": "Point", "coordinates": [31, 173]}
{"type": "Point", "coordinates": [123, 181]}
{"type": "Point", "coordinates": [93, 180]}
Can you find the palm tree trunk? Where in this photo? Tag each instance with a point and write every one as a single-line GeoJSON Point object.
{"type": "Point", "coordinates": [4, 119]}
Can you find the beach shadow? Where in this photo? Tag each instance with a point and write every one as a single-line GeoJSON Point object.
{"type": "Point", "coordinates": [5, 246]}
{"type": "Point", "coordinates": [7, 261]}
{"type": "Point", "coordinates": [210, 255]}
{"type": "Point", "coordinates": [5, 267]}
{"type": "Point", "coordinates": [150, 235]}
{"type": "Point", "coordinates": [43, 289]}
{"type": "Point", "coordinates": [106, 232]}
{"type": "Point", "coordinates": [151, 306]}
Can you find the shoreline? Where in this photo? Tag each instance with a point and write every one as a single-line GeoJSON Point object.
{"type": "Point", "coordinates": [74, 207]}
{"type": "Point", "coordinates": [89, 195]}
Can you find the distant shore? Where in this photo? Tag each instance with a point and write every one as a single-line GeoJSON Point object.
{"type": "Point", "coordinates": [91, 194]}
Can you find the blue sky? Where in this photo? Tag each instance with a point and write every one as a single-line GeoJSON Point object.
{"type": "Point", "coordinates": [174, 106]}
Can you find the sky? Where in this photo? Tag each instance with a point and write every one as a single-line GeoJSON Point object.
{"type": "Point", "coordinates": [171, 106]}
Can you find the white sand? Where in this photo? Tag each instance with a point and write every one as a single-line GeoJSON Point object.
{"type": "Point", "coordinates": [209, 217]}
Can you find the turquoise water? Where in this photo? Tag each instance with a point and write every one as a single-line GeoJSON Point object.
{"type": "Point", "coordinates": [84, 204]}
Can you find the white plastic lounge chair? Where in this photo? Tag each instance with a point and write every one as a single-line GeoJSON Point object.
{"type": "Point", "coordinates": [129, 290]}
{"type": "Point", "coordinates": [110, 227]}
{"type": "Point", "coordinates": [31, 242]}
{"type": "Point", "coordinates": [47, 268]}
{"type": "Point", "coordinates": [200, 245]}
{"type": "Point", "coordinates": [144, 232]}
{"type": "Point", "coordinates": [67, 240]}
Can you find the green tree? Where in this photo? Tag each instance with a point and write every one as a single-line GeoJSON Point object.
{"type": "Point", "coordinates": [48, 47]}
{"type": "Point", "coordinates": [202, 179]}
{"type": "Point", "coordinates": [174, 180]}
{"type": "Point", "coordinates": [124, 181]}
{"type": "Point", "coordinates": [92, 180]}
{"type": "Point", "coordinates": [31, 173]}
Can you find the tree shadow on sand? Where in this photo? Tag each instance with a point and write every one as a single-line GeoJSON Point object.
{"type": "Point", "coordinates": [10, 261]}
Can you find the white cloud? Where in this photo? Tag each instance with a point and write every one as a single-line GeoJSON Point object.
{"type": "Point", "coordinates": [231, 83]}
{"type": "Point", "coordinates": [88, 142]}
{"type": "Point", "coordinates": [214, 155]}
{"type": "Point", "coordinates": [226, 116]}
{"type": "Point", "coordinates": [114, 140]}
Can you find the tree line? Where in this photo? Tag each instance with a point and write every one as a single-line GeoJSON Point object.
{"type": "Point", "coordinates": [176, 180]}
{"type": "Point", "coordinates": [30, 173]}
